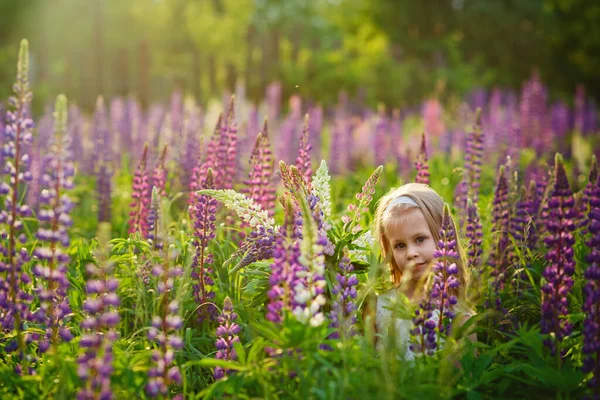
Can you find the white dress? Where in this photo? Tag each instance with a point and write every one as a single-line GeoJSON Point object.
{"type": "Point", "coordinates": [390, 309]}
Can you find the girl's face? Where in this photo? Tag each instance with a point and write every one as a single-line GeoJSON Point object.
{"type": "Point", "coordinates": [411, 243]}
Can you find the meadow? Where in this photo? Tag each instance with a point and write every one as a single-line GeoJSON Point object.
{"type": "Point", "coordinates": [228, 252]}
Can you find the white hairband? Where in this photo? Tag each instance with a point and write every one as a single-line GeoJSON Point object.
{"type": "Point", "coordinates": [402, 200]}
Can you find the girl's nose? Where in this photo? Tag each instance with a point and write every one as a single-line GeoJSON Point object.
{"type": "Point", "coordinates": [412, 252]}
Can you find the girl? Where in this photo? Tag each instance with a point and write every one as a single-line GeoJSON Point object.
{"type": "Point", "coordinates": [407, 225]}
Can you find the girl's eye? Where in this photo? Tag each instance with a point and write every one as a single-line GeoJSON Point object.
{"type": "Point", "coordinates": [420, 239]}
{"type": "Point", "coordinates": [399, 245]}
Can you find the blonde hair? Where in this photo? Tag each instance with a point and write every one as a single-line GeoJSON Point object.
{"type": "Point", "coordinates": [430, 203]}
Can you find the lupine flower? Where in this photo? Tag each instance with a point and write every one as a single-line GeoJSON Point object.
{"type": "Point", "coordinates": [288, 132]}
{"type": "Point", "coordinates": [53, 234]}
{"type": "Point", "coordinates": [227, 335]}
{"type": "Point", "coordinates": [204, 231]}
{"type": "Point", "coordinates": [558, 274]}
{"type": "Point", "coordinates": [560, 117]}
{"type": "Point", "coordinates": [315, 126]}
{"type": "Point", "coordinates": [355, 211]}
{"type": "Point", "coordinates": [138, 216]}
{"type": "Point", "coordinates": [474, 234]}
{"type": "Point", "coordinates": [104, 191]}
{"type": "Point", "coordinates": [163, 373]}
{"type": "Point", "coordinates": [285, 266]}
{"type": "Point", "coordinates": [259, 243]}
{"type": "Point", "coordinates": [192, 131]}
{"type": "Point", "coordinates": [303, 162]}
{"type": "Point", "coordinates": [343, 309]}
{"type": "Point", "coordinates": [421, 163]}
{"type": "Point", "coordinates": [533, 113]}
{"type": "Point", "coordinates": [14, 300]}
{"type": "Point", "coordinates": [322, 191]}
{"type": "Point", "coordinates": [259, 183]}
{"type": "Point", "coordinates": [585, 206]}
{"type": "Point", "coordinates": [230, 171]}
{"type": "Point", "coordinates": [159, 175]}
{"type": "Point", "coordinates": [95, 363]}
{"type": "Point", "coordinates": [101, 137]}
{"type": "Point", "coordinates": [423, 336]}
{"type": "Point", "coordinates": [442, 297]}
{"type": "Point", "coordinates": [153, 215]}
{"type": "Point", "coordinates": [500, 220]}
{"type": "Point", "coordinates": [309, 293]}
{"type": "Point", "coordinates": [591, 305]}
{"type": "Point", "coordinates": [469, 184]}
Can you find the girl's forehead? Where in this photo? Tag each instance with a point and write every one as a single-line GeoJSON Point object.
{"type": "Point", "coordinates": [401, 220]}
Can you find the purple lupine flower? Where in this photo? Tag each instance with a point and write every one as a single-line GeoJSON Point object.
{"type": "Point", "coordinates": [53, 233]}
{"type": "Point", "coordinates": [260, 187]}
{"type": "Point", "coordinates": [231, 136]}
{"type": "Point", "coordinates": [104, 192]}
{"type": "Point", "coordinates": [423, 338]}
{"type": "Point", "coordinates": [204, 216]}
{"type": "Point", "coordinates": [95, 363]}
{"type": "Point", "coordinates": [381, 140]}
{"type": "Point", "coordinates": [15, 301]}
{"type": "Point", "coordinates": [75, 131]}
{"type": "Point", "coordinates": [159, 175]}
{"type": "Point", "coordinates": [288, 132]}
{"type": "Point", "coordinates": [101, 137]}
{"type": "Point", "coordinates": [585, 205]}
{"type": "Point", "coordinates": [560, 118]}
{"type": "Point", "coordinates": [558, 274]}
{"type": "Point", "coordinates": [153, 215]}
{"type": "Point", "coordinates": [285, 266]}
{"type": "Point", "coordinates": [193, 145]}
{"type": "Point", "coordinates": [140, 205]}
{"type": "Point", "coordinates": [341, 146]}
{"type": "Point", "coordinates": [474, 234]}
{"type": "Point", "coordinates": [34, 188]}
{"type": "Point", "coordinates": [315, 127]}
{"type": "Point", "coordinates": [343, 309]}
{"type": "Point", "coordinates": [500, 220]}
{"type": "Point", "coordinates": [522, 222]}
{"type": "Point", "coordinates": [444, 293]}
{"type": "Point", "coordinates": [470, 182]}
{"type": "Point", "coordinates": [591, 290]}
{"type": "Point", "coordinates": [303, 162]}
{"type": "Point", "coordinates": [421, 163]}
{"type": "Point", "coordinates": [442, 296]}
{"type": "Point", "coordinates": [533, 113]}
{"type": "Point", "coordinates": [163, 373]}
{"type": "Point", "coordinates": [227, 335]}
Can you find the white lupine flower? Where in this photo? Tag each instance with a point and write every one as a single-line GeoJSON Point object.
{"type": "Point", "coordinates": [322, 190]}
{"type": "Point", "coordinates": [317, 320]}
{"type": "Point", "coordinates": [243, 206]}
{"type": "Point", "coordinates": [302, 295]}
{"type": "Point", "coordinates": [302, 314]}
{"type": "Point", "coordinates": [365, 240]}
